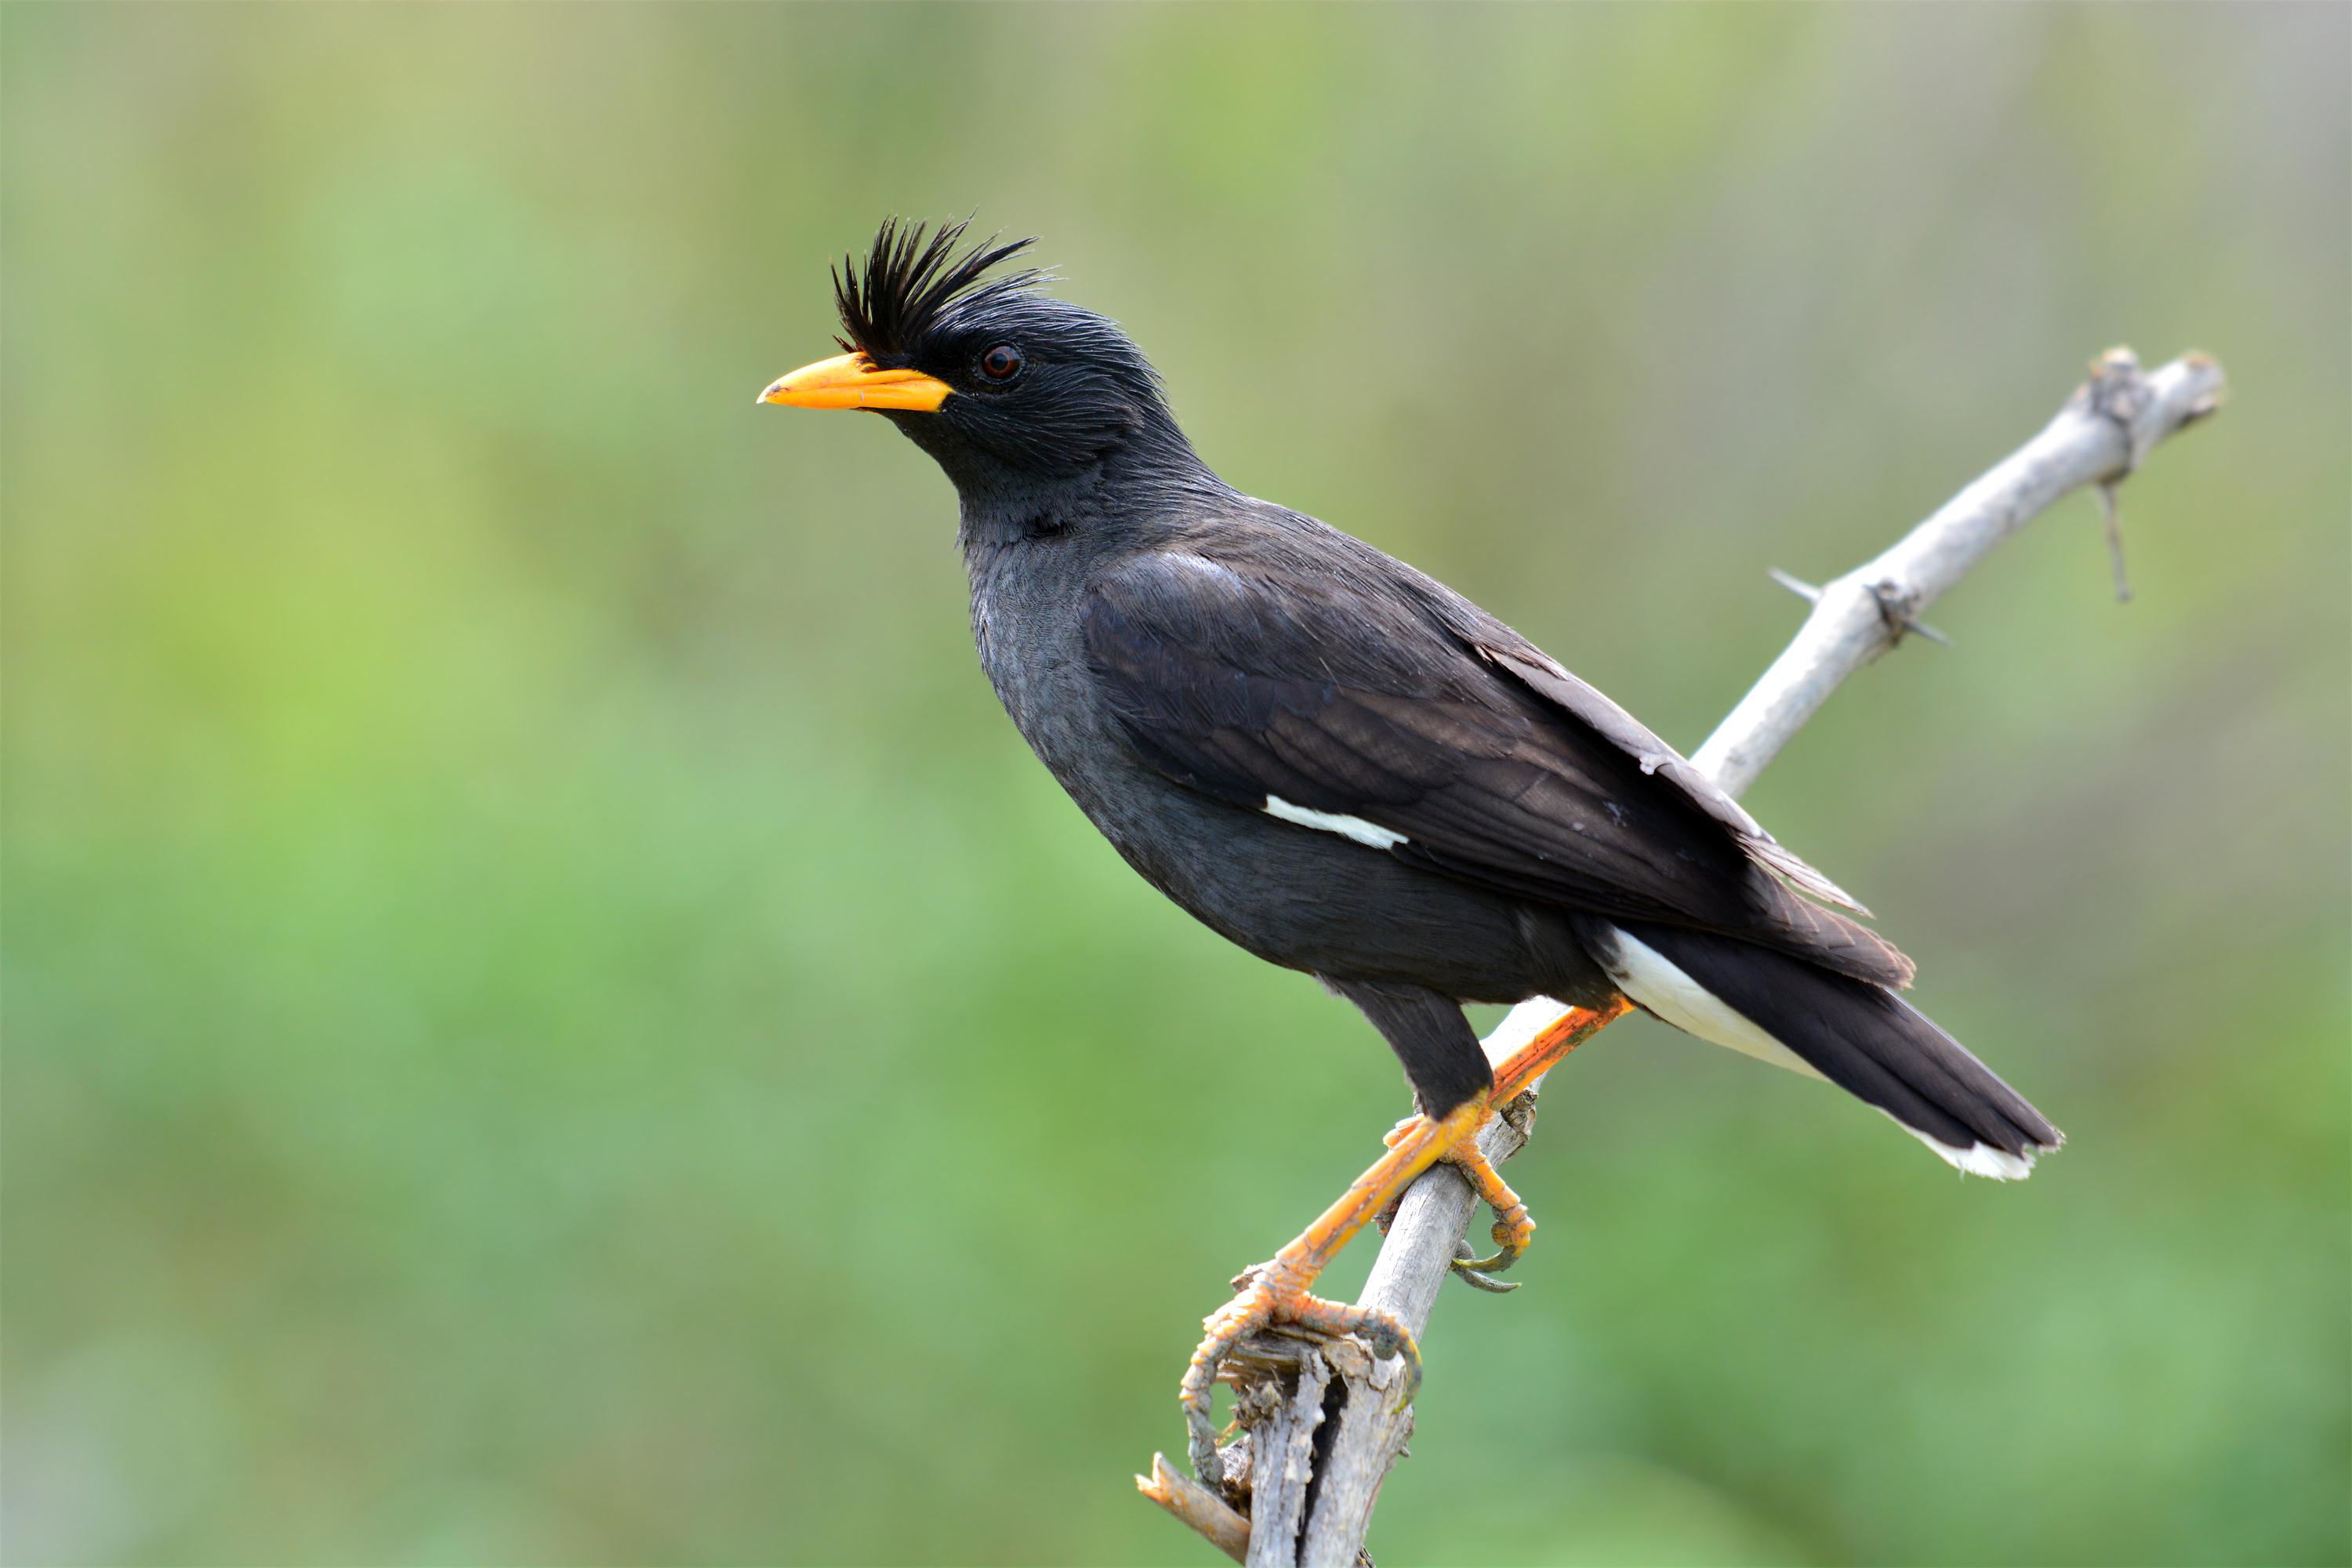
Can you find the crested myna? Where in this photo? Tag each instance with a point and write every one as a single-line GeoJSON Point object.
{"type": "Point", "coordinates": [1348, 769]}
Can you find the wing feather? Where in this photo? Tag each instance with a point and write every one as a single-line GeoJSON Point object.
{"type": "Point", "coordinates": [1545, 673]}
{"type": "Point", "coordinates": [1342, 695]}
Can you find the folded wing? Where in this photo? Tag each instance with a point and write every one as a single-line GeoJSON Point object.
{"type": "Point", "coordinates": [1391, 704]}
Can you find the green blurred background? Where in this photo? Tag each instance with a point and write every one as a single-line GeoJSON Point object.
{"type": "Point", "coordinates": [550, 1019]}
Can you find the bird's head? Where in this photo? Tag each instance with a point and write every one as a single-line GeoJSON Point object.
{"type": "Point", "coordinates": [1006, 387]}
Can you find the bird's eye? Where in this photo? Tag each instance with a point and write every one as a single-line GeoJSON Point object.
{"type": "Point", "coordinates": [1002, 362]}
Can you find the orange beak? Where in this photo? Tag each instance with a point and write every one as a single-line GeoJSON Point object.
{"type": "Point", "coordinates": [852, 381]}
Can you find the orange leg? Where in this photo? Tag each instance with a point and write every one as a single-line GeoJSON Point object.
{"type": "Point", "coordinates": [1515, 1228]}
{"type": "Point", "coordinates": [1517, 1073]}
{"type": "Point", "coordinates": [1277, 1291]}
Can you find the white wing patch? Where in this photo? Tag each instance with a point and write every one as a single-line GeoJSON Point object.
{"type": "Point", "coordinates": [1354, 827]}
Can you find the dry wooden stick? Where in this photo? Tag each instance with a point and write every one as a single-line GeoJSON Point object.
{"type": "Point", "coordinates": [1334, 1407]}
{"type": "Point", "coordinates": [1227, 1530]}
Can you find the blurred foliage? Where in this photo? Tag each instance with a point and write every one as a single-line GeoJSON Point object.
{"type": "Point", "coordinates": [550, 1019]}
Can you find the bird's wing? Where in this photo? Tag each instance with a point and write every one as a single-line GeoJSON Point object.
{"type": "Point", "coordinates": [1351, 701]}
{"type": "Point", "coordinates": [1589, 706]}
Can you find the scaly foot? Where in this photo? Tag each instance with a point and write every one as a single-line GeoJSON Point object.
{"type": "Point", "coordinates": [1269, 1297]}
{"type": "Point", "coordinates": [1513, 1229]}
{"type": "Point", "coordinates": [1276, 1292]}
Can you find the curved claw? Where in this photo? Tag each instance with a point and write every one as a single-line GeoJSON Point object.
{"type": "Point", "coordinates": [1200, 1438]}
{"type": "Point", "coordinates": [1469, 1271]}
{"type": "Point", "coordinates": [1513, 1230]}
{"type": "Point", "coordinates": [1478, 1281]}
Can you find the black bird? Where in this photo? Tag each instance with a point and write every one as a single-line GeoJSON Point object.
{"type": "Point", "coordinates": [1348, 769]}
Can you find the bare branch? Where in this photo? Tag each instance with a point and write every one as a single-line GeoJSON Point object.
{"type": "Point", "coordinates": [1226, 1529]}
{"type": "Point", "coordinates": [2104, 431]}
{"type": "Point", "coordinates": [2101, 435]}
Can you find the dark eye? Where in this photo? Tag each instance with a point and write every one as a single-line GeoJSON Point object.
{"type": "Point", "coordinates": [1002, 362]}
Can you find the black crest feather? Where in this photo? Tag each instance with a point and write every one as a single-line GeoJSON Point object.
{"type": "Point", "coordinates": [912, 279]}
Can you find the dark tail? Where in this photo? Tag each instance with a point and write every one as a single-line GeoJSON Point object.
{"type": "Point", "coordinates": [1862, 1038]}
